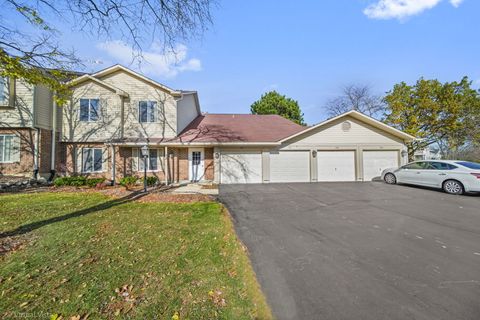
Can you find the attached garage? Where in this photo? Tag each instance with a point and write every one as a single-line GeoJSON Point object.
{"type": "Point", "coordinates": [349, 147]}
{"type": "Point", "coordinates": [374, 162]}
{"type": "Point", "coordinates": [240, 167]}
{"type": "Point", "coordinates": [290, 166]}
{"type": "Point", "coordinates": [336, 165]}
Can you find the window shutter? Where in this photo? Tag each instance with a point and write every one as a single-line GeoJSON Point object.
{"type": "Point", "coordinates": [161, 112]}
{"type": "Point", "coordinates": [12, 88]}
{"type": "Point", "coordinates": [161, 159]}
{"type": "Point", "coordinates": [79, 158]}
{"type": "Point", "coordinates": [16, 149]}
{"type": "Point", "coordinates": [105, 159]}
{"type": "Point", "coordinates": [134, 159]}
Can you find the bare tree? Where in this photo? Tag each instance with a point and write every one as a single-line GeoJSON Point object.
{"type": "Point", "coordinates": [31, 40]}
{"type": "Point", "coordinates": [356, 97]}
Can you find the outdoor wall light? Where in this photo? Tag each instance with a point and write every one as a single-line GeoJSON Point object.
{"type": "Point", "coordinates": [314, 153]}
{"type": "Point", "coordinates": [217, 155]}
{"type": "Point", "coordinates": [404, 153]}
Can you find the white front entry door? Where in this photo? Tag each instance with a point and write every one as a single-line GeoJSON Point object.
{"type": "Point", "coordinates": [374, 162]}
{"type": "Point", "coordinates": [196, 164]}
{"type": "Point", "coordinates": [336, 165]}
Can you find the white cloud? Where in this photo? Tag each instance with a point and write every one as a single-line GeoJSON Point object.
{"type": "Point", "coordinates": [155, 61]}
{"type": "Point", "coordinates": [400, 9]}
{"type": "Point", "coordinates": [456, 3]}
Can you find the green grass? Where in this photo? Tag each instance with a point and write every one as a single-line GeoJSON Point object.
{"type": "Point", "coordinates": [87, 254]}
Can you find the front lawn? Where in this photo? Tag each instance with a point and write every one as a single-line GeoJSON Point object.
{"type": "Point", "coordinates": [84, 254]}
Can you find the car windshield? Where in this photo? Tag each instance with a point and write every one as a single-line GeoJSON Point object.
{"type": "Point", "coordinates": [471, 165]}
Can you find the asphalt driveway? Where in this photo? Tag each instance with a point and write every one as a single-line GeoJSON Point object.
{"type": "Point", "coordinates": [361, 250]}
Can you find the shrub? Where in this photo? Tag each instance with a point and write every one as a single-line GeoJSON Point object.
{"type": "Point", "coordinates": [93, 182]}
{"type": "Point", "coordinates": [74, 181]}
{"type": "Point", "coordinates": [128, 181]}
{"type": "Point", "coordinates": [77, 181]}
{"type": "Point", "coordinates": [151, 181]}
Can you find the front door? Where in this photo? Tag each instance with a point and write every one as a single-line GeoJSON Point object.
{"type": "Point", "coordinates": [196, 168]}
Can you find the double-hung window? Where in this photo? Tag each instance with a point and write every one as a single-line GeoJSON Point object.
{"type": "Point", "coordinates": [147, 111]}
{"type": "Point", "coordinates": [153, 161]}
{"type": "Point", "coordinates": [4, 91]}
{"type": "Point", "coordinates": [89, 110]}
{"type": "Point", "coordinates": [92, 160]}
{"type": "Point", "coordinates": [8, 148]}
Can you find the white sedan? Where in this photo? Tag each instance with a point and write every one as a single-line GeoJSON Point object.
{"type": "Point", "coordinates": [453, 176]}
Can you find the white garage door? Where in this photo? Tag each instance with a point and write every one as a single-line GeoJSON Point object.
{"type": "Point", "coordinates": [374, 162]}
{"type": "Point", "coordinates": [241, 167]}
{"type": "Point", "coordinates": [290, 166]}
{"type": "Point", "coordinates": [336, 165]}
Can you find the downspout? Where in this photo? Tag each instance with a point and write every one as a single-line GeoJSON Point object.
{"type": "Point", "coordinates": [54, 132]}
{"type": "Point", "coordinates": [36, 139]}
{"type": "Point", "coordinates": [122, 116]}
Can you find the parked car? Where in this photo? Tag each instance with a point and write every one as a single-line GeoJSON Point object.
{"type": "Point", "coordinates": [453, 176]}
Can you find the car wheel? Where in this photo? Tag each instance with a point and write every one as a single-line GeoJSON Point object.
{"type": "Point", "coordinates": [390, 178]}
{"type": "Point", "coordinates": [453, 187]}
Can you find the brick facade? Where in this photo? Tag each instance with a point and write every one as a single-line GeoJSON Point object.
{"type": "Point", "coordinates": [26, 165]}
{"type": "Point", "coordinates": [177, 162]}
{"type": "Point", "coordinates": [67, 155]}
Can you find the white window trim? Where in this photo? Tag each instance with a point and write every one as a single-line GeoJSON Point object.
{"type": "Point", "coordinates": [3, 157]}
{"type": "Point", "coordinates": [160, 159]}
{"type": "Point", "coordinates": [82, 163]}
{"type": "Point", "coordinates": [89, 107]}
{"type": "Point", "coordinates": [155, 110]}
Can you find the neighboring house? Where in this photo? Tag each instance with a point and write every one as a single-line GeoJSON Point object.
{"type": "Point", "coordinates": [427, 154]}
{"type": "Point", "coordinates": [26, 126]}
{"type": "Point", "coordinates": [116, 111]}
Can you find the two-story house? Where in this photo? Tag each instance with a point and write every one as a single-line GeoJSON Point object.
{"type": "Point", "coordinates": [27, 123]}
{"type": "Point", "coordinates": [115, 112]}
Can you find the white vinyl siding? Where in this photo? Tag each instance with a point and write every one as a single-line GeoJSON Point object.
{"type": "Point", "coordinates": [374, 162]}
{"type": "Point", "coordinates": [290, 166]}
{"type": "Point", "coordinates": [241, 167]}
{"type": "Point", "coordinates": [154, 160]}
{"type": "Point", "coordinates": [336, 165]}
{"type": "Point", "coordinates": [9, 148]}
{"type": "Point", "coordinates": [334, 134]}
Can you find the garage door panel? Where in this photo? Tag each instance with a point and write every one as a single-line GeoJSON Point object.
{"type": "Point", "coordinates": [290, 166]}
{"type": "Point", "coordinates": [238, 167]}
{"type": "Point", "coordinates": [374, 162]}
{"type": "Point", "coordinates": [336, 165]}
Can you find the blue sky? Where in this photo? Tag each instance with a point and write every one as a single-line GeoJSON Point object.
{"type": "Point", "coordinates": [309, 49]}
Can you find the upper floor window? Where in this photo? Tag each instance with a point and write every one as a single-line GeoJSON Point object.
{"type": "Point", "coordinates": [147, 111]}
{"type": "Point", "coordinates": [4, 91]}
{"type": "Point", "coordinates": [92, 160]}
{"type": "Point", "coordinates": [89, 109]}
{"type": "Point", "coordinates": [9, 148]}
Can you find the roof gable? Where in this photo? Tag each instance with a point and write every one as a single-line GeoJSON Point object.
{"type": "Point", "coordinates": [89, 78]}
{"type": "Point", "coordinates": [361, 117]}
{"type": "Point", "coordinates": [118, 67]}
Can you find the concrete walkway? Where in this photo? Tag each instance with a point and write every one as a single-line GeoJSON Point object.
{"type": "Point", "coordinates": [195, 188]}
